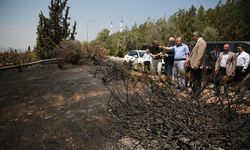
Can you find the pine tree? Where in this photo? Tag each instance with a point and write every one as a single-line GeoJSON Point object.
{"type": "Point", "coordinates": [73, 33]}
{"type": "Point", "coordinates": [53, 29]}
{"type": "Point", "coordinates": [43, 42]}
{"type": "Point", "coordinates": [29, 48]}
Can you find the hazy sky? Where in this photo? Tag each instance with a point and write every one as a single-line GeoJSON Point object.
{"type": "Point", "coordinates": [19, 18]}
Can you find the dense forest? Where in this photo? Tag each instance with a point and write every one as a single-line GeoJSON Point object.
{"type": "Point", "coordinates": [228, 21]}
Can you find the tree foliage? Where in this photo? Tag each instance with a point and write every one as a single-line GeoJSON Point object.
{"type": "Point", "coordinates": [53, 29]}
{"type": "Point", "coordinates": [227, 21]}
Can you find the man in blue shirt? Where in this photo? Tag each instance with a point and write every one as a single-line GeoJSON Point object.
{"type": "Point", "coordinates": [181, 53]}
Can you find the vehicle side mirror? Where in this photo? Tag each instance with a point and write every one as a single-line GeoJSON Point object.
{"type": "Point", "coordinates": [135, 56]}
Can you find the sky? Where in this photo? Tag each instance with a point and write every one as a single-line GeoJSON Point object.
{"type": "Point", "coordinates": [19, 18]}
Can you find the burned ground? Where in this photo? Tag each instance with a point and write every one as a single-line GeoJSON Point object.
{"type": "Point", "coordinates": [109, 107]}
{"type": "Point", "coordinates": [49, 108]}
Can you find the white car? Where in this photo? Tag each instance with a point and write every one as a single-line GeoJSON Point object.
{"type": "Point", "coordinates": [135, 57]}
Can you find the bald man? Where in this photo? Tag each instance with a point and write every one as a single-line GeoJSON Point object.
{"type": "Point", "coordinates": [169, 57]}
{"type": "Point", "coordinates": [224, 69]}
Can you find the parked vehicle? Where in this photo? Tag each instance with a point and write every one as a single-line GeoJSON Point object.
{"type": "Point", "coordinates": [135, 58]}
{"type": "Point", "coordinates": [233, 45]}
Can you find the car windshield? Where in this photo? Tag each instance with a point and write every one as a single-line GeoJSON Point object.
{"type": "Point", "coordinates": [141, 54]}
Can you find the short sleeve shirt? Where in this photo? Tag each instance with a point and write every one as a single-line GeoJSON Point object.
{"type": "Point", "coordinates": [155, 51]}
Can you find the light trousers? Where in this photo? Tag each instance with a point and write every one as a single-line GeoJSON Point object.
{"type": "Point", "coordinates": [156, 66]}
{"type": "Point", "coordinates": [179, 72]}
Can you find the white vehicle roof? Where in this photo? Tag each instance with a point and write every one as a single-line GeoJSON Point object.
{"type": "Point", "coordinates": [138, 50]}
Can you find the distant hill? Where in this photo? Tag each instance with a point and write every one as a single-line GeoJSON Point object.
{"type": "Point", "coordinates": [7, 49]}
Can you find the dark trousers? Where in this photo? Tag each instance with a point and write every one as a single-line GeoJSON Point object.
{"type": "Point", "coordinates": [146, 65]}
{"type": "Point", "coordinates": [220, 80]}
{"type": "Point", "coordinates": [239, 75]}
{"type": "Point", "coordinates": [196, 82]}
{"type": "Point", "coordinates": [169, 63]}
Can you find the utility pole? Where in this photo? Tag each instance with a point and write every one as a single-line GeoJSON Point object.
{"type": "Point", "coordinates": [88, 29]}
{"type": "Point", "coordinates": [111, 28]}
{"type": "Point", "coordinates": [121, 26]}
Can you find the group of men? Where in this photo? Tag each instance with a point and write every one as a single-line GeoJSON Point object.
{"type": "Point", "coordinates": [229, 66]}
{"type": "Point", "coordinates": [180, 58]}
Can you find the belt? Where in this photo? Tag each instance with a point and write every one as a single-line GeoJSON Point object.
{"type": "Point", "coordinates": [179, 59]}
{"type": "Point", "coordinates": [239, 67]}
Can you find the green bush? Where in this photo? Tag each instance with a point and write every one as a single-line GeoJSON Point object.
{"type": "Point", "coordinates": [120, 53]}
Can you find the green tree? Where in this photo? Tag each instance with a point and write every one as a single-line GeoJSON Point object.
{"type": "Point", "coordinates": [210, 33]}
{"type": "Point", "coordinates": [244, 6]}
{"type": "Point", "coordinates": [200, 20]}
{"type": "Point", "coordinates": [44, 44]}
{"type": "Point", "coordinates": [29, 48]}
{"type": "Point", "coordinates": [53, 29]}
{"type": "Point", "coordinates": [231, 20]}
{"type": "Point", "coordinates": [73, 33]}
{"type": "Point", "coordinates": [227, 21]}
{"type": "Point", "coordinates": [104, 38]}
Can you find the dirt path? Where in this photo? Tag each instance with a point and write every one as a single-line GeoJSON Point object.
{"type": "Point", "coordinates": [48, 108]}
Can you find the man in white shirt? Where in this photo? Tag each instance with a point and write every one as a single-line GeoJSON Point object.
{"type": "Point", "coordinates": [242, 63]}
{"type": "Point", "coordinates": [224, 67]}
{"type": "Point", "coordinates": [147, 60]}
{"type": "Point", "coordinates": [224, 59]}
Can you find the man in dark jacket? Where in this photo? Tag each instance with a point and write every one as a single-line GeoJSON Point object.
{"type": "Point", "coordinates": [212, 58]}
{"type": "Point", "coordinates": [169, 58]}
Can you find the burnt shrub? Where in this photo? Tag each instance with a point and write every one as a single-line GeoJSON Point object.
{"type": "Point", "coordinates": [93, 52]}
{"type": "Point", "coordinates": [29, 56]}
{"type": "Point", "coordinates": [14, 57]}
{"type": "Point", "coordinates": [68, 51]}
{"type": "Point", "coordinates": [75, 52]}
{"type": "Point", "coordinates": [154, 114]}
